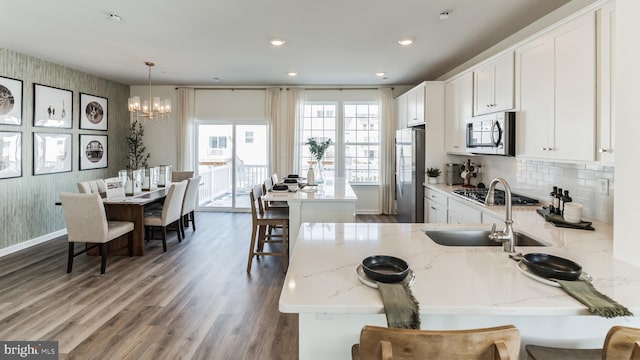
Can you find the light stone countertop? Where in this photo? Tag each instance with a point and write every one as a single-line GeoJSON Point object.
{"type": "Point", "coordinates": [450, 280]}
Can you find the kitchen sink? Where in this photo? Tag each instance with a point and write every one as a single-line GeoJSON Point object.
{"type": "Point", "coordinates": [466, 237]}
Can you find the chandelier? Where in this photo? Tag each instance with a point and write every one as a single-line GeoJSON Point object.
{"type": "Point", "coordinates": [150, 109]}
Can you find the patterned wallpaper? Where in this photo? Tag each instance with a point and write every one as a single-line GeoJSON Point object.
{"type": "Point", "coordinates": [27, 203]}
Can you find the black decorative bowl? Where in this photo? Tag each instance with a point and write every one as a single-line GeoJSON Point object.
{"type": "Point", "coordinates": [550, 266]}
{"type": "Point", "coordinates": [290, 181]}
{"type": "Point", "coordinates": [386, 269]}
{"type": "Point", "coordinates": [293, 176]}
{"type": "Point", "coordinates": [280, 187]}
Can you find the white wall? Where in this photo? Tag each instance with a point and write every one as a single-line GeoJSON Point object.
{"type": "Point", "coordinates": [627, 75]}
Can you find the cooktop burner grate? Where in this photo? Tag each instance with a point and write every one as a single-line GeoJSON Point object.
{"type": "Point", "coordinates": [480, 194]}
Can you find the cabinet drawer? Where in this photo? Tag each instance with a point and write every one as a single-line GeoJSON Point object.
{"type": "Point", "coordinates": [468, 212]}
{"type": "Point", "coordinates": [435, 196]}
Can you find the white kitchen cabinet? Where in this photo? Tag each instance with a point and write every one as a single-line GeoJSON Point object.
{"type": "Point", "coordinates": [461, 213]}
{"type": "Point", "coordinates": [401, 111]}
{"type": "Point", "coordinates": [555, 93]}
{"type": "Point", "coordinates": [415, 105]}
{"type": "Point", "coordinates": [606, 22]}
{"type": "Point", "coordinates": [458, 108]}
{"type": "Point", "coordinates": [489, 217]}
{"type": "Point", "coordinates": [493, 85]}
{"type": "Point", "coordinates": [435, 204]}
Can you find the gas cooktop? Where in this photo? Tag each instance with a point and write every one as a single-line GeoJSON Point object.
{"type": "Point", "coordinates": [480, 194]}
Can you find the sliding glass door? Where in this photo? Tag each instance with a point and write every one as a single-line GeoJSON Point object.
{"type": "Point", "coordinates": [231, 158]}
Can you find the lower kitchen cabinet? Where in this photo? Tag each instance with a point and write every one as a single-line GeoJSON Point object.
{"type": "Point", "coordinates": [461, 213]}
{"type": "Point", "coordinates": [435, 205]}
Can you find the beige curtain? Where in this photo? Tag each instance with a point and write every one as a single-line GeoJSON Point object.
{"type": "Point", "coordinates": [287, 134]}
{"type": "Point", "coordinates": [273, 128]}
{"type": "Point", "coordinates": [186, 128]}
{"type": "Point", "coordinates": [387, 151]}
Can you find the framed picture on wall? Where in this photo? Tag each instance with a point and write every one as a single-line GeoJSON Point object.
{"type": "Point", "coordinates": [52, 107]}
{"type": "Point", "coordinates": [10, 154]}
{"type": "Point", "coordinates": [93, 112]}
{"type": "Point", "coordinates": [51, 153]}
{"type": "Point", "coordinates": [93, 151]}
{"type": "Point", "coordinates": [10, 101]}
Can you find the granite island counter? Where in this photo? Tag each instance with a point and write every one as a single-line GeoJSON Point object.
{"type": "Point", "coordinates": [457, 287]}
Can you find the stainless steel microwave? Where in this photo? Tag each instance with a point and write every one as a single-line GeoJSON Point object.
{"type": "Point", "coordinates": [492, 134]}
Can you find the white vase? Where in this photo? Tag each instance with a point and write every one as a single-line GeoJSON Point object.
{"type": "Point", "coordinates": [432, 180]}
{"type": "Point", "coordinates": [310, 176]}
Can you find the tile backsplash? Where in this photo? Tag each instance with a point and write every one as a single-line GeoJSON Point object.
{"type": "Point", "coordinates": [537, 178]}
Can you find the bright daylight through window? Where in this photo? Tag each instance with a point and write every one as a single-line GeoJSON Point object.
{"type": "Point", "coordinates": [355, 133]}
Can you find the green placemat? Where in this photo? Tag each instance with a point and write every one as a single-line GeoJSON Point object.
{"type": "Point", "coordinates": [400, 306]}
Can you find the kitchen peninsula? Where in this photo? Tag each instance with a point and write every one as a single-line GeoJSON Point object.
{"type": "Point", "coordinates": [332, 201]}
{"type": "Point", "coordinates": [457, 287]}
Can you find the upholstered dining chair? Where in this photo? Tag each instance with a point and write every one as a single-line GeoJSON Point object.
{"type": "Point", "coordinates": [378, 343]}
{"type": "Point", "coordinates": [621, 343]}
{"type": "Point", "coordinates": [190, 203]}
{"type": "Point", "coordinates": [261, 220]}
{"type": "Point", "coordinates": [170, 213]}
{"type": "Point", "coordinates": [177, 176]}
{"type": "Point", "coordinates": [92, 186]}
{"type": "Point", "coordinates": [86, 222]}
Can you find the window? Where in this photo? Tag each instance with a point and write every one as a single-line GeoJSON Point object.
{"type": "Point", "coordinates": [354, 128]}
{"type": "Point", "coordinates": [248, 137]}
{"type": "Point", "coordinates": [218, 142]}
{"type": "Point", "coordinates": [362, 142]}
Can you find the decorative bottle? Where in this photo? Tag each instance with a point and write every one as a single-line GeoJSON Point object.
{"type": "Point", "coordinates": [557, 202]}
{"type": "Point", "coordinates": [310, 176]}
{"type": "Point", "coordinates": [552, 200]}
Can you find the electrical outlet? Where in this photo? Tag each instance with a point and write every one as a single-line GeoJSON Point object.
{"type": "Point", "coordinates": [603, 186]}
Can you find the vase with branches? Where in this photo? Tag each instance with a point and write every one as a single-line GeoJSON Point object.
{"type": "Point", "coordinates": [317, 148]}
{"type": "Point", "coordinates": [137, 153]}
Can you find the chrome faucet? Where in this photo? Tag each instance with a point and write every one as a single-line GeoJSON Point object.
{"type": "Point", "coordinates": [505, 236]}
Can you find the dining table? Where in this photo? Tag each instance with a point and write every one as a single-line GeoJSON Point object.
{"type": "Point", "coordinates": [131, 208]}
{"type": "Point", "coordinates": [332, 201]}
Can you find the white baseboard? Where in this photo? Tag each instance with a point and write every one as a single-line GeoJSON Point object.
{"type": "Point", "coordinates": [33, 242]}
{"type": "Point", "coordinates": [368, 211]}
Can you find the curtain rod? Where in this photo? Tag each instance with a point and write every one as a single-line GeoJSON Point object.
{"type": "Point", "coordinates": [282, 88]}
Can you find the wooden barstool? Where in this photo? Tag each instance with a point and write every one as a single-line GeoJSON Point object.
{"type": "Point", "coordinates": [261, 220]}
{"type": "Point", "coordinates": [621, 343]}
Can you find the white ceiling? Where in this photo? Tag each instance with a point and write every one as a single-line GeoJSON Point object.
{"type": "Point", "coordinates": [329, 42]}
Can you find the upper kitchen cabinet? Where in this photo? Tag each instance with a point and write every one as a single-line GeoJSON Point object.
{"type": "Point", "coordinates": [493, 85]}
{"type": "Point", "coordinates": [555, 92]}
{"type": "Point", "coordinates": [606, 18]}
{"type": "Point", "coordinates": [401, 110]}
{"type": "Point", "coordinates": [411, 107]}
{"type": "Point", "coordinates": [458, 108]}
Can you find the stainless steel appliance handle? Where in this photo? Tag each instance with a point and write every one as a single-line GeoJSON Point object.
{"type": "Point", "coordinates": [495, 128]}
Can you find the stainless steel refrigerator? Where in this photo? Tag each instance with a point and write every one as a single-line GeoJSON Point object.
{"type": "Point", "coordinates": [410, 152]}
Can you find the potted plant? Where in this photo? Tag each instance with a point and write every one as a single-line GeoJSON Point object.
{"type": "Point", "coordinates": [432, 174]}
{"type": "Point", "coordinates": [317, 150]}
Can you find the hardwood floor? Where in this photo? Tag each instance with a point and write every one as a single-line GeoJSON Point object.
{"type": "Point", "coordinates": [195, 301]}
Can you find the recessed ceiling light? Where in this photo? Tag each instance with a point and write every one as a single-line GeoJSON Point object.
{"type": "Point", "coordinates": [405, 42]}
{"type": "Point", "coordinates": [277, 42]}
{"type": "Point", "coordinates": [444, 15]}
{"type": "Point", "coordinates": [380, 74]}
{"type": "Point", "coordinates": [292, 74]}
{"type": "Point", "coordinates": [114, 17]}
{"type": "Point", "coordinates": [216, 79]}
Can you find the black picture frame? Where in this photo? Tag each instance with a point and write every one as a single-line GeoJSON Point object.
{"type": "Point", "coordinates": [94, 112]}
{"type": "Point", "coordinates": [11, 94]}
{"type": "Point", "coordinates": [52, 107]}
{"type": "Point", "coordinates": [10, 154]}
{"type": "Point", "coordinates": [52, 153]}
{"type": "Point", "coordinates": [94, 151]}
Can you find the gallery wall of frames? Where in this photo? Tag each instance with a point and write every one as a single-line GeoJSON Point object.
{"type": "Point", "coordinates": [58, 126]}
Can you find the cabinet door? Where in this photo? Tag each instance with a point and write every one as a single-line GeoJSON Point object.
{"type": "Point", "coordinates": [574, 88]}
{"type": "Point", "coordinates": [534, 92]}
{"type": "Point", "coordinates": [503, 83]}
{"type": "Point", "coordinates": [483, 89]}
{"type": "Point", "coordinates": [465, 101]}
{"type": "Point", "coordinates": [401, 111]}
{"type": "Point", "coordinates": [412, 115]}
{"type": "Point", "coordinates": [452, 126]}
{"type": "Point", "coordinates": [606, 55]}
{"type": "Point", "coordinates": [435, 213]}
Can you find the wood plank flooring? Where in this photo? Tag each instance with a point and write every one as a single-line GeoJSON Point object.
{"type": "Point", "coordinates": [195, 301]}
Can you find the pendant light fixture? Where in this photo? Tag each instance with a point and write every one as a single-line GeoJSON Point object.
{"type": "Point", "coordinates": [152, 109]}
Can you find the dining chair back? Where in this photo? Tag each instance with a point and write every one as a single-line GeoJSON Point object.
{"type": "Point", "coordinates": [376, 343]}
{"type": "Point", "coordinates": [92, 186]}
{"type": "Point", "coordinates": [86, 222]}
{"type": "Point", "coordinates": [177, 176]}
{"type": "Point", "coordinates": [274, 178]}
{"type": "Point", "coordinates": [261, 221]}
{"type": "Point", "coordinates": [190, 203]}
{"type": "Point", "coordinates": [169, 214]}
{"type": "Point", "coordinates": [621, 343]}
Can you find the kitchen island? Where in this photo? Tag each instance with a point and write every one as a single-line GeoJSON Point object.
{"type": "Point", "coordinates": [457, 287]}
{"type": "Point", "coordinates": [332, 201]}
